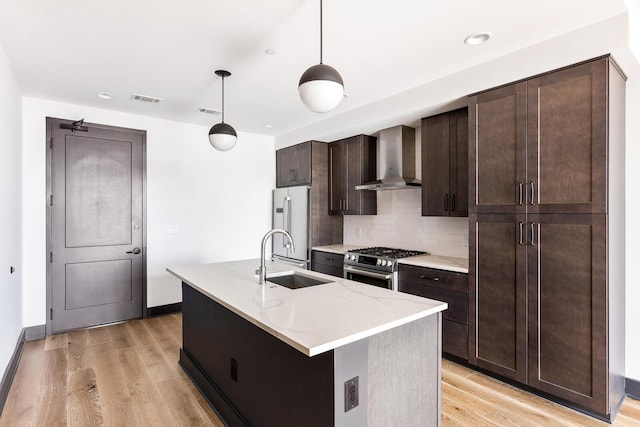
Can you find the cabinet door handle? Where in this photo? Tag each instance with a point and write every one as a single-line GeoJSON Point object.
{"type": "Point", "coordinates": [453, 202]}
{"type": "Point", "coordinates": [434, 278]}
{"type": "Point", "coordinates": [533, 192]}
{"type": "Point", "coordinates": [521, 237]}
{"type": "Point", "coordinates": [446, 202]}
{"type": "Point", "coordinates": [346, 203]}
{"type": "Point", "coordinates": [533, 234]}
{"type": "Point", "coordinates": [520, 193]}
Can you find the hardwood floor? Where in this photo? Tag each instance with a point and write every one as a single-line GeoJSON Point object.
{"type": "Point", "coordinates": [127, 374]}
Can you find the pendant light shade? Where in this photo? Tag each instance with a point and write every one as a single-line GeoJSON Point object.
{"type": "Point", "coordinates": [321, 87]}
{"type": "Point", "coordinates": [222, 136]}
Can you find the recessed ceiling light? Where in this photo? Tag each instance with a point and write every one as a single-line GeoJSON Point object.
{"type": "Point", "coordinates": [268, 126]}
{"type": "Point", "coordinates": [270, 52]}
{"type": "Point", "coordinates": [478, 38]}
{"type": "Point", "coordinates": [104, 95]}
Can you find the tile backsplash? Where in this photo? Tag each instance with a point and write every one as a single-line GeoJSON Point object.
{"type": "Point", "coordinates": [400, 224]}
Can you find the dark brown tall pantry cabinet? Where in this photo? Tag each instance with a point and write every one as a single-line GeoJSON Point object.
{"type": "Point", "coordinates": [546, 234]}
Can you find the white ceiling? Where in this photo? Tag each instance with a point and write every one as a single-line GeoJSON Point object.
{"type": "Point", "coordinates": [68, 50]}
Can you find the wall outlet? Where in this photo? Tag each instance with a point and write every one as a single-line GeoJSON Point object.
{"type": "Point", "coordinates": [351, 391]}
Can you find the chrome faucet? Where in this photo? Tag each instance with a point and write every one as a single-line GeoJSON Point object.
{"type": "Point", "coordinates": [262, 271]}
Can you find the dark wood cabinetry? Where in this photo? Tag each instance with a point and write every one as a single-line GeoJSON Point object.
{"type": "Point", "coordinates": [498, 294]}
{"type": "Point", "coordinates": [327, 263]}
{"type": "Point", "coordinates": [293, 165]}
{"type": "Point", "coordinates": [352, 162]}
{"type": "Point", "coordinates": [447, 286]}
{"type": "Point", "coordinates": [540, 145]}
{"type": "Point", "coordinates": [546, 307]}
{"type": "Point", "coordinates": [308, 164]}
{"type": "Point", "coordinates": [445, 142]}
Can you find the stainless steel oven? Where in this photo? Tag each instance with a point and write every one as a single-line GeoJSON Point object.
{"type": "Point", "coordinates": [377, 266]}
{"type": "Point", "coordinates": [382, 280]}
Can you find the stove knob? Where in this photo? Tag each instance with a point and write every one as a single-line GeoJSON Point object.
{"type": "Point", "coordinates": [384, 263]}
{"type": "Point", "coordinates": [354, 257]}
{"type": "Point", "coordinates": [379, 262]}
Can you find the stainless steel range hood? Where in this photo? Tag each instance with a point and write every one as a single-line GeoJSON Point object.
{"type": "Point", "coordinates": [396, 160]}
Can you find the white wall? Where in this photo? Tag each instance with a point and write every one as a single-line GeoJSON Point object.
{"type": "Point", "coordinates": [632, 195]}
{"type": "Point", "coordinates": [202, 205]}
{"type": "Point", "coordinates": [10, 212]}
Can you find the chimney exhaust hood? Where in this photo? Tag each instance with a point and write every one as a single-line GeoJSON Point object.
{"type": "Point", "coordinates": [396, 160]}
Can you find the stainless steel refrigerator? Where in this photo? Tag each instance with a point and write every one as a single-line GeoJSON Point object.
{"type": "Point", "coordinates": [291, 212]}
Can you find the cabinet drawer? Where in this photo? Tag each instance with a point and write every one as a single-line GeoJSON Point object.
{"type": "Point", "coordinates": [455, 339]}
{"type": "Point", "coordinates": [433, 277]}
{"type": "Point", "coordinates": [458, 301]}
{"type": "Point", "coordinates": [327, 258]}
{"type": "Point", "coordinates": [326, 269]}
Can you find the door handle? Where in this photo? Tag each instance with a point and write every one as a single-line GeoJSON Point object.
{"type": "Point", "coordinates": [135, 251]}
{"type": "Point", "coordinates": [453, 202]}
{"type": "Point", "coordinates": [520, 193]}
{"type": "Point", "coordinates": [446, 202]}
{"type": "Point", "coordinates": [533, 192]}
{"type": "Point", "coordinates": [533, 234]}
{"type": "Point", "coordinates": [520, 238]}
{"type": "Point", "coordinates": [434, 278]}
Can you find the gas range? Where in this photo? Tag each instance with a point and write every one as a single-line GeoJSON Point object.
{"type": "Point", "coordinates": [376, 266]}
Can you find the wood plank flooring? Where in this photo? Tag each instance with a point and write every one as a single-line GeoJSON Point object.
{"type": "Point", "coordinates": [127, 374]}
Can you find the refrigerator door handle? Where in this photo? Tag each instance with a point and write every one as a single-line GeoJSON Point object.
{"type": "Point", "coordinates": [288, 218]}
{"type": "Point", "coordinates": [285, 219]}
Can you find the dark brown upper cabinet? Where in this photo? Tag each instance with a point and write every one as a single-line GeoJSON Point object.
{"type": "Point", "coordinates": [293, 165]}
{"type": "Point", "coordinates": [445, 175]}
{"type": "Point", "coordinates": [540, 145]}
{"type": "Point", "coordinates": [352, 161]}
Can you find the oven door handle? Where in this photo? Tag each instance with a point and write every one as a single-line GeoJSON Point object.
{"type": "Point", "coordinates": [349, 269]}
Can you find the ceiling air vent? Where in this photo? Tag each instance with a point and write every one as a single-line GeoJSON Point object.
{"type": "Point", "coordinates": [209, 110]}
{"type": "Point", "coordinates": [145, 98]}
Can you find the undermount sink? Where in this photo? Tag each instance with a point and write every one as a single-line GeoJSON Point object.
{"type": "Point", "coordinates": [295, 280]}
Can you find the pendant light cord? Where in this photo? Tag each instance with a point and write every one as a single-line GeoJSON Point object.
{"type": "Point", "coordinates": [222, 99]}
{"type": "Point", "coordinates": [321, 31]}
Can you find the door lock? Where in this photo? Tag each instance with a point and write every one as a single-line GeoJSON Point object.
{"type": "Point", "coordinates": [135, 251]}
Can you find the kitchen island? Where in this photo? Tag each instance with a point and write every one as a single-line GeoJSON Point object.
{"type": "Point", "coordinates": [341, 353]}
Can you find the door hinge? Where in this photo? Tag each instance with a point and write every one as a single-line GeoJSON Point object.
{"type": "Point", "coordinates": [50, 256]}
{"type": "Point", "coordinates": [51, 200]}
{"type": "Point", "coordinates": [51, 314]}
{"type": "Point", "coordinates": [51, 143]}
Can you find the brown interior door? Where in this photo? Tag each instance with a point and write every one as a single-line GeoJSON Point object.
{"type": "Point", "coordinates": [96, 243]}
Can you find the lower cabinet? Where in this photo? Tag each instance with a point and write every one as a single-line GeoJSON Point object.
{"type": "Point", "coordinates": [539, 312]}
{"type": "Point", "coordinates": [447, 286]}
{"type": "Point", "coordinates": [327, 263]}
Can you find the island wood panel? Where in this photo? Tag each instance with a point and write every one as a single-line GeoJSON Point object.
{"type": "Point", "coordinates": [252, 377]}
{"type": "Point", "coordinates": [154, 342]}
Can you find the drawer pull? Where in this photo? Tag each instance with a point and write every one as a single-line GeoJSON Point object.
{"type": "Point", "coordinates": [435, 279]}
{"type": "Point", "coordinates": [328, 259]}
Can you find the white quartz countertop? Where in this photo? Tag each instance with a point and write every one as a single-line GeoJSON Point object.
{"type": "Point", "coordinates": [441, 262]}
{"type": "Point", "coordinates": [337, 249]}
{"type": "Point", "coordinates": [314, 319]}
{"type": "Point", "coordinates": [459, 265]}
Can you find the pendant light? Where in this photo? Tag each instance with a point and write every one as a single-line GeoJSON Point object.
{"type": "Point", "coordinates": [321, 87]}
{"type": "Point", "coordinates": [222, 136]}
